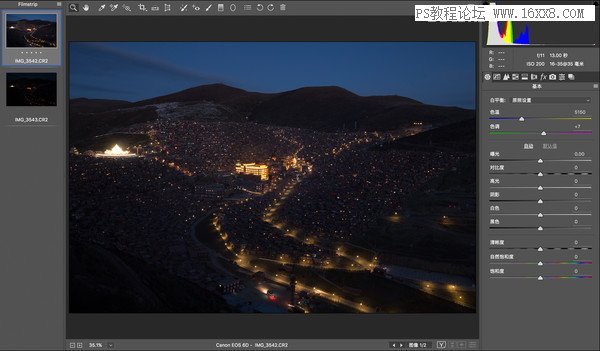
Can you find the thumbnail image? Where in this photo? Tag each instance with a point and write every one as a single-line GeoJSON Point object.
{"type": "Point", "coordinates": [31, 89]}
{"type": "Point", "coordinates": [31, 30]}
{"type": "Point", "coordinates": [272, 177]}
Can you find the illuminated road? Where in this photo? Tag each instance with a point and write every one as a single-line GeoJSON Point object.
{"type": "Point", "coordinates": [351, 262]}
{"type": "Point", "coordinates": [287, 189]}
{"type": "Point", "coordinates": [450, 292]}
{"type": "Point", "coordinates": [33, 41]}
{"type": "Point", "coordinates": [213, 255]}
{"type": "Point", "coordinates": [310, 265]}
{"type": "Point", "coordinates": [281, 279]}
{"type": "Point", "coordinates": [158, 148]}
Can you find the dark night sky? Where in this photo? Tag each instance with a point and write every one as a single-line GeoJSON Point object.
{"type": "Point", "coordinates": [15, 76]}
{"type": "Point", "coordinates": [433, 72]}
{"type": "Point", "coordinates": [31, 17]}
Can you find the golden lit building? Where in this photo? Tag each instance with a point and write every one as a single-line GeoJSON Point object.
{"type": "Point", "coordinates": [261, 171]}
{"type": "Point", "coordinates": [116, 151]}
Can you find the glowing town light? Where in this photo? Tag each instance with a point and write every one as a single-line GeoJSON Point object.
{"type": "Point", "coordinates": [116, 151]}
{"type": "Point", "coordinates": [260, 170]}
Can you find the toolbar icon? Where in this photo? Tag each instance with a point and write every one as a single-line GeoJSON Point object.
{"type": "Point", "coordinates": [220, 7]}
{"type": "Point", "coordinates": [73, 7]}
{"type": "Point", "coordinates": [154, 8]}
{"type": "Point", "coordinates": [270, 7]}
{"type": "Point", "coordinates": [167, 7]}
{"type": "Point", "coordinates": [113, 7]}
{"type": "Point", "coordinates": [127, 8]}
{"type": "Point", "coordinates": [248, 7]}
{"type": "Point", "coordinates": [101, 8]}
{"type": "Point", "coordinates": [196, 7]}
{"type": "Point", "coordinates": [183, 8]}
{"type": "Point", "coordinates": [142, 7]}
{"type": "Point", "coordinates": [259, 7]}
{"type": "Point", "coordinates": [232, 7]}
{"type": "Point", "coordinates": [282, 7]}
{"type": "Point", "coordinates": [85, 7]}
{"type": "Point", "coordinates": [208, 8]}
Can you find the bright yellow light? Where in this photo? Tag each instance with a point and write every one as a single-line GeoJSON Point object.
{"type": "Point", "coordinates": [116, 151]}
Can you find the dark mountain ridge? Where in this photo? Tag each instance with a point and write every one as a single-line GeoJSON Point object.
{"type": "Point", "coordinates": [96, 105]}
{"type": "Point", "coordinates": [37, 21]}
{"type": "Point", "coordinates": [323, 108]}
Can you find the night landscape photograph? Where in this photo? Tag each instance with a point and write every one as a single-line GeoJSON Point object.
{"type": "Point", "coordinates": [31, 30]}
{"type": "Point", "coordinates": [31, 89]}
{"type": "Point", "coordinates": [271, 177]}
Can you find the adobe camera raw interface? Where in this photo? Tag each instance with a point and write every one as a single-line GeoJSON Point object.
{"type": "Point", "coordinates": [300, 175]}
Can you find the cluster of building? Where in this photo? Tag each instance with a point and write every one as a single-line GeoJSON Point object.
{"type": "Point", "coordinates": [259, 170]}
{"type": "Point", "coordinates": [348, 194]}
{"type": "Point", "coordinates": [247, 232]}
{"type": "Point", "coordinates": [146, 205]}
{"type": "Point", "coordinates": [116, 151]}
{"type": "Point", "coordinates": [260, 226]}
{"type": "Point", "coordinates": [140, 207]}
{"type": "Point", "coordinates": [212, 149]}
{"type": "Point", "coordinates": [329, 186]}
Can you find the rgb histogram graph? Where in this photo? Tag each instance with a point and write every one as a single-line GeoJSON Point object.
{"type": "Point", "coordinates": [521, 33]}
{"type": "Point", "coordinates": [503, 33]}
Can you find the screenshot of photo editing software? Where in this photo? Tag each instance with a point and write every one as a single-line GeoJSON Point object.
{"type": "Point", "coordinates": [299, 175]}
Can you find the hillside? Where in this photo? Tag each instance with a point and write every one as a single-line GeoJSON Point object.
{"type": "Point", "coordinates": [83, 105]}
{"type": "Point", "coordinates": [460, 136]}
{"type": "Point", "coordinates": [326, 108]}
{"type": "Point", "coordinates": [104, 281]}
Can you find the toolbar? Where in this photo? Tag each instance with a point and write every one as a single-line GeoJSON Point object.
{"type": "Point", "coordinates": [238, 8]}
